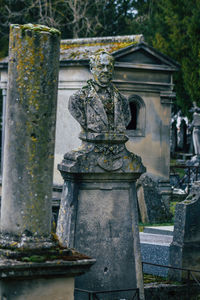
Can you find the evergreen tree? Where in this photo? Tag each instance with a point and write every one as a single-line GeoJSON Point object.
{"type": "Point", "coordinates": [174, 30]}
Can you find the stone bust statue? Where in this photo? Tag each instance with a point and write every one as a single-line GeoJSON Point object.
{"type": "Point", "coordinates": [99, 107]}
{"type": "Point", "coordinates": [103, 114]}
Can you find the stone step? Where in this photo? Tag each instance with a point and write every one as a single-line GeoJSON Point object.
{"type": "Point", "coordinates": [155, 249]}
{"type": "Point", "coordinates": [165, 230]}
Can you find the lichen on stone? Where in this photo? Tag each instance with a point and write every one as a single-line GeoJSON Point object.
{"type": "Point", "coordinates": [75, 50]}
{"type": "Point", "coordinates": [37, 27]}
{"type": "Point", "coordinates": [32, 64]}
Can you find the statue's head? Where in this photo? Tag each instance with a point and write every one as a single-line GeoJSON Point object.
{"type": "Point", "coordinates": [102, 66]}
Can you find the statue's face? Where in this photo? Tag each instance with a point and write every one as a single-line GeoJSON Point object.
{"type": "Point", "coordinates": [102, 69]}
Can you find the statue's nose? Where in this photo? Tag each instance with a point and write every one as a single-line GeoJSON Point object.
{"type": "Point", "coordinates": [105, 69]}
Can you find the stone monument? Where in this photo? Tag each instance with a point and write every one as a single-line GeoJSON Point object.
{"type": "Point", "coordinates": [153, 199]}
{"type": "Point", "coordinates": [196, 129]}
{"type": "Point", "coordinates": [173, 138]}
{"type": "Point", "coordinates": [98, 213]}
{"type": "Point", "coordinates": [182, 135]}
{"type": "Point", "coordinates": [185, 248]}
{"type": "Point", "coordinates": [32, 263]}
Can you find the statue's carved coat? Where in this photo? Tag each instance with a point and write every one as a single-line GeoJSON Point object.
{"type": "Point", "coordinates": [87, 108]}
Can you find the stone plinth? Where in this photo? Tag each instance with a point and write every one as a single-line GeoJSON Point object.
{"type": "Point", "coordinates": [39, 281]}
{"type": "Point", "coordinates": [98, 213]}
{"type": "Point", "coordinates": [185, 248]}
{"type": "Point", "coordinates": [30, 131]}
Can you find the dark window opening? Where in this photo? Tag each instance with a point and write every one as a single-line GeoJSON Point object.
{"type": "Point", "coordinates": [133, 123]}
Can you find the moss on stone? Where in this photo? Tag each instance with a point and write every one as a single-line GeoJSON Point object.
{"type": "Point", "coordinates": [34, 258]}
{"type": "Point", "coordinates": [114, 46]}
{"type": "Point", "coordinates": [35, 72]}
{"type": "Point", "coordinates": [37, 27]}
{"type": "Point", "coordinates": [39, 255]}
{"type": "Point", "coordinates": [120, 45]}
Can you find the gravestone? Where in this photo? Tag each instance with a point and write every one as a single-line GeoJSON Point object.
{"type": "Point", "coordinates": [32, 265]}
{"type": "Point", "coordinates": [98, 214]}
{"type": "Point", "coordinates": [196, 129]}
{"type": "Point", "coordinates": [181, 131]}
{"type": "Point", "coordinates": [155, 248]}
{"type": "Point", "coordinates": [182, 136]}
{"type": "Point", "coordinates": [173, 138]}
{"type": "Point", "coordinates": [153, 199]}
{"type": "Point", "coordinates": [185, 248]}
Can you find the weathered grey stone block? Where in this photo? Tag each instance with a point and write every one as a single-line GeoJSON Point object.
{"type": "Point", "coordinates": [185, 248]}
{"type": "Point", "coordinates": [153, 199]}
{"type": "Point", "coordinates": [155, 250]}
{"type": "Point", "coordinates": [103, 229]}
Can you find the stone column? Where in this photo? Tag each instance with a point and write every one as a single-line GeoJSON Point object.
{"type": "Point", "coordinates": [30, 131]}
{"type": "Point", "coordinates": [4, 93]}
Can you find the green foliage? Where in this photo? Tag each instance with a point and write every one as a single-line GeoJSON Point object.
{"type": "Point", "coordinates": [174, 30]}
{"type": "Point", "coordinates": [34, 258]}
{"type": "Point", "coordinates": [149, 278]}
{"type": "Point", "coordinates": [172, 207]}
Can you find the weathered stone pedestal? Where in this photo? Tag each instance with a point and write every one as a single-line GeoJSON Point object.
{"type": "Point", "coordinates": [33, 266]}
{"type": "Point", "coordinates": [99, 214]}
{"type": "Point", "coordinates": [39, 281]}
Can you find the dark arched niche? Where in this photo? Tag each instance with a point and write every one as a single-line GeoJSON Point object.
{"type": "Point", "coordinates": [136, 127]}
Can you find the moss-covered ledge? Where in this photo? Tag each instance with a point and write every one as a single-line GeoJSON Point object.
{"type": "Point", "coordinates": [36, 27]}
{"type": "Point", "coordinates": [10, 268]}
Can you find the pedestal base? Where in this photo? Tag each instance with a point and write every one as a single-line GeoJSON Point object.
{"type": "Point", "coordinates": [99, 214]}
{"type": "Point", "coordinates": [102, 217]}
{"type": "Point", "coordinates": [38, 289]}
{"type": "Point", "coordinates": [38, 281]}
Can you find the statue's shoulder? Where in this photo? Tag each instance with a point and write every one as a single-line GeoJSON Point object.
{"type": "Point", "coordinates": [83, 92]}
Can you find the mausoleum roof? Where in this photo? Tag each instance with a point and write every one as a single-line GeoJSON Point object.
{"type": "Point", "coordinates": [81, 49]}
{"type": "Point", "coordinates": [128, 50]}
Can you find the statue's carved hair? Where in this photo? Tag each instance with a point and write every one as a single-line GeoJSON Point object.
{"type": "Point", "coordinates": [97, 56]}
